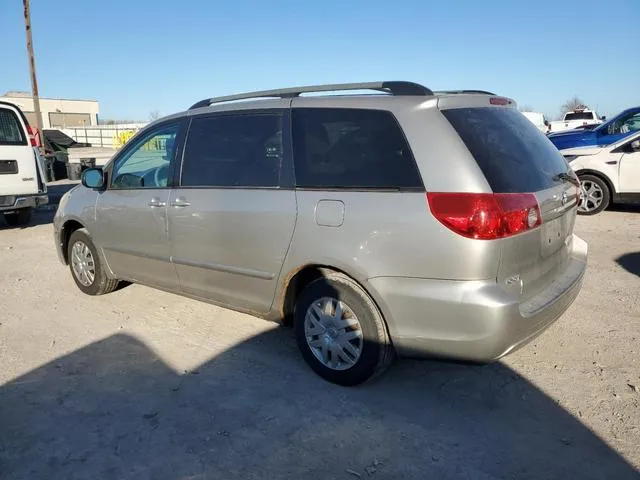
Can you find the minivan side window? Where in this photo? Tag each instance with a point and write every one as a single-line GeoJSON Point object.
{"type": "Point", "coordinates": [146, 164]}
{"type": "Point", "coordinates": [241, 150]}
{"type": "Point", "coordinates": [11, 132]}
{"type": "Point", "coordinates": [338, 148]}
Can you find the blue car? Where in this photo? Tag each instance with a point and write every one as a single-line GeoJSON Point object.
{"type": "Point", "coordinates": [617, 128]}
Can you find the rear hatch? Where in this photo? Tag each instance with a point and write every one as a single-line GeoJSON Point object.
{"type": "Point", "coordinates": [18, 170]}
{"type": "Point", "coordinates": [516, 158]}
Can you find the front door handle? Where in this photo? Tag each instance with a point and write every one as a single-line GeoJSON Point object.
{"type": "Point", "coordinates": [180, 202]}
{"type": "Point", "coordinates": [155, 202]}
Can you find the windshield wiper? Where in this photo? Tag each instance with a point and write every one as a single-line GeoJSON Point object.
{"type": "Point", "coordinates": [565, 177]}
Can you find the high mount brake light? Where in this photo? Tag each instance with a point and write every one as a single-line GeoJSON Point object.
{"type": "Point", "coordinates": [486, 216]}
{"type": "Point", "coordinates": [499, 101]}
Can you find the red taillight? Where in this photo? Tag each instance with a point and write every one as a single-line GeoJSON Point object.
{"type": "Point", "coordinates": [486, 216]}
{"type": "Point", "coordinates": [34, 136]}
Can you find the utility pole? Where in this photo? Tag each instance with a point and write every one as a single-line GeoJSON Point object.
{"type": "Point", "coordinates": [32, 68]}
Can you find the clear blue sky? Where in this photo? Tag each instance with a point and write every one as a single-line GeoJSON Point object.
{"type": "Point", "coordinates": [138, 56]}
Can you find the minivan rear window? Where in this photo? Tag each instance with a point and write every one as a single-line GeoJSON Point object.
{"type": "Point", "coordinates": [11, 132]}
{"type": "Point", "coordinates": [512, 153]}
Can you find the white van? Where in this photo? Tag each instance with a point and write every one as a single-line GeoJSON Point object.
{"type": "Point", "coordinates": [538, 120]}
{"type": "Point", "coordinates": [22, 185]}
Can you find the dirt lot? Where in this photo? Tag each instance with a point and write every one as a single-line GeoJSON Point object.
{"type": "Point", "coordinates": [142, 384]}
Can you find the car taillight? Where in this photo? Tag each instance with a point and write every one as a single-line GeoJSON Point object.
{"type": "Point", "coordinates": [34, 136]}
{"type": "Point", "coordinates": [486, 216]}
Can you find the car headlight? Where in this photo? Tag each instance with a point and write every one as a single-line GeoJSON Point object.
{"type": "Point", "coordinates": [570, 158]}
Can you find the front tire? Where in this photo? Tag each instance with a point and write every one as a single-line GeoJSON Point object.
{"type": "Point", "coordinates": [18, 218]}
{"type": "Point", "coordinates": [594, 195]}
{"type": "Point", "coordinates": [86, 268]}
{"type": "Point", "coordinates": [340, 331]}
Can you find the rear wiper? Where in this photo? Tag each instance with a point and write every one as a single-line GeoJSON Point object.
{"type": "Point", "coordinates": [564, 176]}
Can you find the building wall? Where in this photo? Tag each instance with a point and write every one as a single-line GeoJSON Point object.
{"type": "Point", "coordinates": [58, 113]}
{"type": "Point", "coordinates": [110, 136]}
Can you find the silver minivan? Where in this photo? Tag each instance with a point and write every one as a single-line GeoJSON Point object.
{"type": "Point", "coordinates": [406, 222]}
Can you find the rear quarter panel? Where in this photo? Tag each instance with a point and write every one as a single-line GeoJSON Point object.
{"type": "Point", "coordinates": [386, 234]}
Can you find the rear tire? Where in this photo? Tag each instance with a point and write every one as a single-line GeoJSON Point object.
{"type": "Point", "coordinates": [85, 265]}
{"type": "Point", "coordinates": [19, 217]}
{"type": "Point", "coordinates": [594, 195]}
{"type": "Point", "coordinates": [340, 331]}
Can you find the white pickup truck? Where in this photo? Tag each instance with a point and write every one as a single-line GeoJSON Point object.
{"type": "Point", "coordinates": [577, 118]}
{"type": "Point", "coordinates": [22, 184]}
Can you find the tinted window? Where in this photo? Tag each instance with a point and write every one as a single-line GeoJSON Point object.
{"type": "Point", "coordinates": [579, 116]}
{"type": "Point", "coordinates": [628, 123]}
{"type": "Point", "coordinates": [11, 132]}
{"type": "Point", "coordinates": [240, 150]}
{"type": "Point", "coordinates": [349, 148]}
{"type": "Point", "coordinates": [513, 155]}
{"type": "Point", "coordinates": [145, 164]}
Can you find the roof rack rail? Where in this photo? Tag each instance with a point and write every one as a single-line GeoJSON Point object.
{"type": "Point", "coordinates": [454, 92]}
{"type": "Point", "coordinates": [393, 88]}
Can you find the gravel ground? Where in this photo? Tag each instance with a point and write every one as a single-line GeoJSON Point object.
{"type": "Point", "coordinates": [142, 384]}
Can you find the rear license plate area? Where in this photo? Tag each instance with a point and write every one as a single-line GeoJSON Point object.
{"type": "Point", "coordinates": [554, 234]}
{"type": "Point", "coordinates": [8, 167]}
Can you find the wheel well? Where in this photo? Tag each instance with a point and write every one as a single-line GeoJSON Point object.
{"type": "Point", "coordinates": [297, 282]}
{"type": "Point", "coordinates": [602, 177]}
{"type": "Point", "coordinates": [67, 229]}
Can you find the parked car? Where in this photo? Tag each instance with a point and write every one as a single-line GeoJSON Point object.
{"type": "Point", "coordinates": [619, 127]}
{"type": "Point", "coordinates": [608, 174]}
{"type": "Point", "coordinates": [579, 117]}
{"type": "Point", "coordinates": [407, 222]}
{"type": "Point", "coordinates": [22, 185]}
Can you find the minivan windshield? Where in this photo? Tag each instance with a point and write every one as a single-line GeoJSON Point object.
{"type": "Point", "coordinates": [513, 154]}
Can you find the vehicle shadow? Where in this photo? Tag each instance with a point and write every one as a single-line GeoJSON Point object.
{"type": "Point", "coordinates": [44, 214]}
{"type": "Point", "coordinates": [115, 410]}
{"type": "Point", "coordinates": [57, 189]}
{"type": "Point", "coordinates": [41, 216]}
{"type": "Point", "coordinates": [630, 262]}
{"type": "Point", "coordinates": [630, 208]}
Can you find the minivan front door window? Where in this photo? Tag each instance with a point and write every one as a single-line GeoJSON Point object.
{"type": "Point", "coordinates": [146, 164]}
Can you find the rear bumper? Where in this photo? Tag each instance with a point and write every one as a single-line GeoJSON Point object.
{"type": "Point", "coordinates": [473, 320]}
{"type": "Point", "coordinates": [24, 201]}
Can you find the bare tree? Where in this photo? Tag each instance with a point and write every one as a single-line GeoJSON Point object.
{"type": "Point", "coordinates": [571, 105]}
{"type": "Point", "coordinates": [154, 115]}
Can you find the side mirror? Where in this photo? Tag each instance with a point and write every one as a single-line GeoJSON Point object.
{"type": "Point", "coordinates": [93, 178]}
{"type": "Point", "coordinates": [635, 145]}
